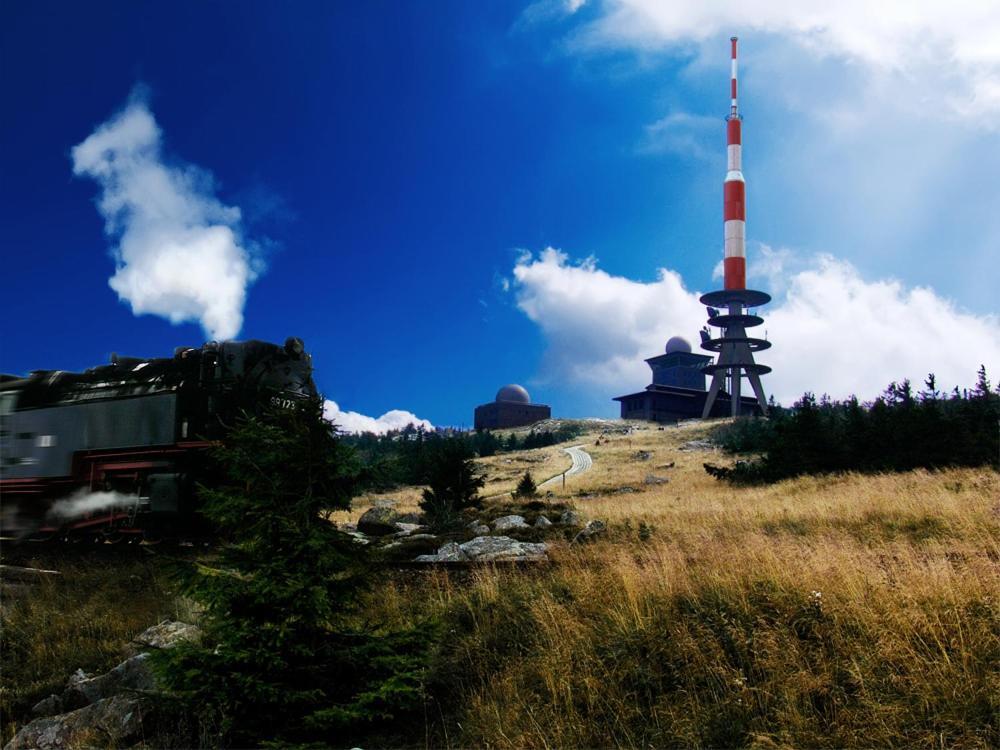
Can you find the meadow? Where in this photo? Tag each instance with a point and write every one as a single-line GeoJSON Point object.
{"type": "Point", "coordinates": [841, 611]}
{"type": "Point", "coordinates": [816, 612]}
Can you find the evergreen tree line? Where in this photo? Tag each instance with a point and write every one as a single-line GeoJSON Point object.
{"type": "Point", "coordinates": [899, 430]}
{"type": "Point", "coordinates": [407, 457]}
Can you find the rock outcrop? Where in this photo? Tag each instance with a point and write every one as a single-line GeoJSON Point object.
{"type": "Point", "coordinates": [488, 548]}
{"type": "Point", "coordinates": [570, 518]}
{"type": "Point", "coordinates": [506, 523]}
{"type": "Point", "coordinates": [589, 532]}
{"type": "Point", "coordinates": [378, 521]}
{"type": "Point", "coordinates": [107, 710]}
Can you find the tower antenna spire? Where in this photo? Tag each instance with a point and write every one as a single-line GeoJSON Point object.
{"type": "Point", "coordinates": [734, 107]}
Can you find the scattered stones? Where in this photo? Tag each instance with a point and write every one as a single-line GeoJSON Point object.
{"type": "Point", "coordinates": [110, 709]}
{"type": "Point", "coordinates": [378, 521]}
{"type": "Point", "coordinates": [592, 530]}
{"type": "Point", "coordinates": [643, 456]}
{"type": "Point", "coordinates": [653, 479]}
{"type": "Point", "coordinates": [698, 445]}
{"type": "Point", "coordinates": [542, 522]}
{"type": "Point", "coordinates": [570, 518]}
{"type": "Point", "coordinates": [506, 523]}
{"type": "Point", "coordinates": [488, 548]}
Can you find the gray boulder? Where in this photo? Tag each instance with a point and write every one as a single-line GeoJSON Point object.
{"type": "Point", "coordinates": [417, 518]}
{"type": "Point", "coordinates": [132, 674]}
{"type": "Point", "coordinates": [570, 518]}
{"type": "Point", "coordinates": [592, 530]}
{"type": "Point", "coordinates": [111, 722]}
{"type": "Point", "coordinates": [542, 522]}
{"type": "Point", "coordinates": [653, 479]}
{"type": "Point", "coordinates": [485, 548]}
{"type": "Point", "coordinates": [166, 634]}
{"type": "Point", "coordinates": [450, 552]}
{"type": "Point", "coordinates": [506, 523]}
{"type": "Point", "coordinates": [378, 521]}
{"type": "Point", "coordinates": [481, 530]}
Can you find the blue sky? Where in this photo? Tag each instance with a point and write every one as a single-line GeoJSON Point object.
{"type": "Point", "coordinates": [383, 169]}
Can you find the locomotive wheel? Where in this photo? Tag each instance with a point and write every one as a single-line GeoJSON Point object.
{"type": "Point", "coordinates": [112, 536]}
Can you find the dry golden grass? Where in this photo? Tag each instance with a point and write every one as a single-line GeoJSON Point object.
{"type": "Point", "coordinates": [837, 611]}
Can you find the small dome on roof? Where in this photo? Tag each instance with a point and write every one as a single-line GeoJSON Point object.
{"type": "Point", "coordinates": [678, 344]}
{"type": "Point", "coordinates": [515, 393]}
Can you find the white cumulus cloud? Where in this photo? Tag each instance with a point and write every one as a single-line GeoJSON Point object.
{"type": "Point", "coordinates": [946, 51]}
{"type": "Point", "coordinates": [178, 250]}
{"type": "Point", "coordinates": [352, 421]}
{"type": "Point", "coordinates": [833, 332]}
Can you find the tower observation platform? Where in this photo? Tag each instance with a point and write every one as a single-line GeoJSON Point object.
{"type": "Point", "coordinates": [734, 346]}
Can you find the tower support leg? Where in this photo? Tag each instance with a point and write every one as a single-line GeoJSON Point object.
{"type": "Point", "coordinates": [758, 390]}
{"type": "Point", "coordinates": [718, 378]}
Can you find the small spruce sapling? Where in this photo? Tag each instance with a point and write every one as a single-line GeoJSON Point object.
{"type": "Point", "coordinates": [526, 488]}
{"type": "Point", "coordinates": [453, 483]}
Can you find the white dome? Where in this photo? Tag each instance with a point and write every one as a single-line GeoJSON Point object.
{"type": "Point", "coordinates": [514, 393]}
{"type": "Point", "coordinates": [678, 344]}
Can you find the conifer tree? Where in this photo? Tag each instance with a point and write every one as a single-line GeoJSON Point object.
{"type": "Point", "coordinates": [281, 661]}
{"type": "Point", "coordinates": [526, 488]}
{"type": "Point", "coordinates": [453, 483]}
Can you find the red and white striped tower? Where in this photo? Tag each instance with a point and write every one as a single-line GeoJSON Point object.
{"type": "Point", "coordinates": [735, 347]}
{"type": "Point", "coordinates": [734, 194]}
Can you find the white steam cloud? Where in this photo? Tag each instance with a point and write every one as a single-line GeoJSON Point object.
{"type": "Point", "coordinates": [833, 332]}
{"type": "Point", "coordinates": [351, 421]}
{"type": "Point", "coordinates": [179, 252]}
{"type": "Point", "coordinates": [84, 502]}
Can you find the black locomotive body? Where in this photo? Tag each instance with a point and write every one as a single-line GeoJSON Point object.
{"type": "Point", "coordinates": [117, 448]}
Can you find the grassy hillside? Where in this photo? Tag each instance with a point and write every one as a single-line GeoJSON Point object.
{"type": "Point", "coordinates": [831, 612]}
{"type": "Point", "coordinates": [847, 611]}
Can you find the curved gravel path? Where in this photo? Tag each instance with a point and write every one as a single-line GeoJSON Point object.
{"type": "Point", "coordinates": [581, 463]}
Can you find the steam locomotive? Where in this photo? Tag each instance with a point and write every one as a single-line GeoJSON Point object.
{"type": "Point", "coordinates": [116, 449]}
